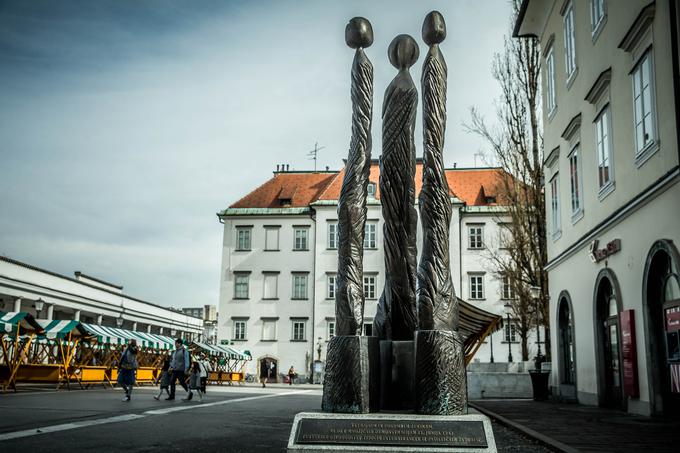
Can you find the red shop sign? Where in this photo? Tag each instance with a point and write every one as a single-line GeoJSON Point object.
{"type": "Point", "coordinates": [672, 319]}
{"type": "Point", "coordinates": [630, 371]}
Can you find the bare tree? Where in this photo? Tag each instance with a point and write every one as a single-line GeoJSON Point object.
{"type": "Point", "coordinates": [517, 145]}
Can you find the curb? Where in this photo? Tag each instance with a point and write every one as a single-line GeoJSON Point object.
{"type": "Point", "coordinates": [541, 438]}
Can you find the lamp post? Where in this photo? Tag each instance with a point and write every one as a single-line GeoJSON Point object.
{"type": "Point", "coordinates": [508, 307]}
{"type": "Point", "coordinates": [39, 305]}
{"type": "Point", "coordinates": [119, 321]}
{"type": "Point", "coordinates": [535, 295]}
{"type": "Point", "coordinates": [491, 343]}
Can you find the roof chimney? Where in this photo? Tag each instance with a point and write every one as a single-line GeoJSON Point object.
{"type": "Point", "coordinates": [327, 168]}
{"type": "Point", "coordinates": [455, 164]}
{"type": "Point", "coordinates": [287, 167]}
{"type": "Point", "coordinates": [277, 168]}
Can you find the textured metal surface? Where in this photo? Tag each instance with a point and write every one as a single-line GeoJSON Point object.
{"type": "Point", "coordinates": [396, 316]}
{"type": "Point", "coordinates": [437, 304]}
{"type": "Point", "coordinates": [440, 378]}
{"type": "Point", "coordinates": [351, 382]}
{"type": "Point", "coordinates": [349, 298]}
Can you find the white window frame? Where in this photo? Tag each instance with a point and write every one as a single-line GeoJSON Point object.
{"type": "Point", "coordinates": [370, 235]}
{"type": "Point", "coordinates": [304, 279]}
{"type": "Point", "coordinates": [510, 332]}
{"type": "Point", "coordinates": [298, 327]}
{"type": "Point", "coordinates": [275, 276]}
{"type": "Point", "coordinates": [371, 190]}
{"type": "Point", "coordinates": [301, 238]}
{"type": "Point", "coordinates": [575, 184]}
{"type": "Point", "coordinates": [267, 245]}
{"type": "Point", "coordinates": [240, 332]}
{"type": "Point", "coordinates": [332, 242]}
{"type": "Point", "coordinates": [238, 285]}
{"type": "Point", "coordinates": [370, 286]}
{"type": "Point", "coordinates": [507, 291]}
{"type": "Point", "coordinates": [244, 238]}
{"type": "Point", "coordinates": [475, 236]}
{"type": "Point", "coordinates": [551, 100]}
{"type": "Point", "coordinates": [555, 217]}
{"type": "Point", "coordinates": [597, 21]}
{"type": "Point", "coordinates": [330, 329]}
{"type": "Point", "coordinates": [367, 325]}
{"type": "Point", "coordinates": [331, 285]}
{"type": "Point", "coordinates": [476, 286]}
{"type": "Point", "coordinates": [569, 43]}
{"type": "Point", "coordinates": [650, 98]}
{"type": "Point", "coordinates": [264, 323]}
{"type": "Point", "coordinates": [603, 148]}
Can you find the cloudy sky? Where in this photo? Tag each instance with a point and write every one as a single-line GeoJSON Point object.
{"type": "Point", "coordinates": [126, 125]}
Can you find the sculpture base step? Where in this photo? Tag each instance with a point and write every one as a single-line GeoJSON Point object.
{"type": "Point", "coordinates": [395, 433]}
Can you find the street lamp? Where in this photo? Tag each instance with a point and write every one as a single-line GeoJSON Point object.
{"type": "Point", "coordinates": [39, 305]}
{"type": "Point", "coordinates": [173, 332]}
{"type": "Point", "coordinates": [508, 308]}
{"type": "Point", "coordinates": [119, 321]}
{"type": "Point", "coordinates": [535, 292]}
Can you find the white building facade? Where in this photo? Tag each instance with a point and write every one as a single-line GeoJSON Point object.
{"type": "Point", "coordinates": [610, 93]}
{"type": "Point", "coordinates": [279, 260]}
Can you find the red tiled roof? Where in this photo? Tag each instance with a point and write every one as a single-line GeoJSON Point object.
{"type": "Point", "coordinates": [294, 189]}
{"type": "Point", "coordinates": [474, 186]}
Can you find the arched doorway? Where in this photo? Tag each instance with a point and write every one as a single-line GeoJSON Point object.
{"type": "Point", "coordinates": [567, 353]}
{"type": "Point", "coordinates": [661, 293]}
{"type": "Point", "coordinates": [607, 308]}
{"type": "Point", "coordinates": [268, 369]}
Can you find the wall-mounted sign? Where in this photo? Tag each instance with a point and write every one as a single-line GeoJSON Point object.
{"type": "Point", "coordinates": [629, 352]}
{"type": "Point", "coordinates": [597, 254]}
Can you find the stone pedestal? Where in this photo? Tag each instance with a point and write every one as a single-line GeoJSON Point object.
{"type": "Point", "coordinates": [440, 378]}
{"type": "Point", "coordinates": [396, 380]}
{"type": "Point", "coordinates": [395, 433]}
{"type": "Point", "coordinates": [352, 375]}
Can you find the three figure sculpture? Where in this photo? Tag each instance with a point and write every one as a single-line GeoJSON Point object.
{"type": "Point", "coordinates": [415, 361]}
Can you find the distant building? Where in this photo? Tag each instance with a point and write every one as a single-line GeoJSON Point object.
{"type": "Point", "coordinates": [610, 115]}
{"type": "Point", "coordinates": [196, 312]}
{"type": "Point", "coordinates": [279, 260]}
{"type": "Point", "coordinates": [24, 287]}
{"type": "Point", "coordinates": [208, 313]}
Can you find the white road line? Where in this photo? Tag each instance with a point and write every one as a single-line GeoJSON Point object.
{"type": "Point", "coordinates": [128, 417]}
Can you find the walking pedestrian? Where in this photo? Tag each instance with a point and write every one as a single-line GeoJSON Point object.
{"type": "Point", "coordinates": [291, 375]}
{"type": "Point", "coordinates": [127, 369]}
{"type": "Point", "coordinates": [164, 379]}
{"type": "Point", "coordinates": [205, 370]}
{"type": "Point", "coordinates": [195, 380]}
{"type": "Point", "coordinates": [179, 366]}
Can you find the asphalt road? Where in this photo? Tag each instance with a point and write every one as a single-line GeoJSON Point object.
{"type": "Point", "coordinates": [230, 419]}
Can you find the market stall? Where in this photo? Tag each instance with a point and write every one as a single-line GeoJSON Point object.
{"type": "Point", "coordinates": [226, 364]}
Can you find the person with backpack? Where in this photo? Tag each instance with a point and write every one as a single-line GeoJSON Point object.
{"type": "Point", "coordinates": [127, 368]}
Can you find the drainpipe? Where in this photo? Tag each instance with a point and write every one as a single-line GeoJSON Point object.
{"type": "Point", "coordinates": [676, 70]}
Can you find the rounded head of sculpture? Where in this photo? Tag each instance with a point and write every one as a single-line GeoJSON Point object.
{"type": "Point", "coordinates": [403, 52]}
{"type": "Point", "coordinates": [434, 28]}
{"type": "Point", "coordinates": [359, 33]}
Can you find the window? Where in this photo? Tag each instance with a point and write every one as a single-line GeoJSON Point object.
{"type": "Point", "coordinates": [331, 286]}
{"type": "Point", "coordinates": [332, 235]}
{"type": "Point", "coordinates": [604, 165]}
{"type": "Point", "coordinates": [510, 332]}
{"type": "Point", "coordinates": [504, 235]}
{"type": "Point", "coordinates": [508, 292]}
{"type": "Point", "coordinates": [569, 42]}
{"type": "Point", "coordinates": [550, 81]}
{"type": "Point", "coordinates": [301, 235]}
{"type": "Point", "coordinates": [555, 205]}
{"type": "Point", "coordinates": [645, 133]}
{"type": "Point", "coordinates": [241, 285]}
{"type": "Point", "coordinates": [243, 235]}
{"type": "Point", "coordinates": [271, 283]}
{"type": "Point", "coordinates": [298, 331]}
{"type": "Point", "coordinates": [239, 330]}
{"type": "Point", "coordinates": [368, 329]}
{"type": "Point", "coordinates": [271, 238]}
{"type": "Point", "coordinates": [268, 329]}
{"type": "Point", "coordinates": [575, 182]}
{"type": "Point", "coordinates": [476, 286]}
{"type": "Point", "coordinates": [370, 193]}
{"type": "Point", "coordinates": [475, 236]}
{"type": "Point", "coordinates": [596, 14]}
{"type": "Point", "coordinates": [369, 235]}
{"type": "Point", "coordinates": [369, 286]}
{"type": "Point", "coordinates": [299, 286]}
{"type": "Point", "coordinates": [330, 330]}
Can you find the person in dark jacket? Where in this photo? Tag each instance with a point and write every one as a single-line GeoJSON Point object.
{"type": "Point", "coordinates": [179, 366]}
{"type": "Point", "coordinates": [127, 369]}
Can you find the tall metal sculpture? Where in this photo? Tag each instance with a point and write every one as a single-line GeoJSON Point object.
{"type": "Point", "coordinates": [352, 361]}
{"type": "Point", "coordinates": [440, 381]}
{"type": "Point", "coordinates": [396, 317]}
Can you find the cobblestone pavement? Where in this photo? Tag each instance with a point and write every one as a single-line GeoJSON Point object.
{"type": "Point", "coordinates": [588, 428]}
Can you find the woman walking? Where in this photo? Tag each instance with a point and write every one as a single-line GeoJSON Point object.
{"type": "Point", "coordinates": [165, 379]}
{"type": "Point", "coordinates": [195, 380]}
{"type": "Point", "coordinates": [127, 369]}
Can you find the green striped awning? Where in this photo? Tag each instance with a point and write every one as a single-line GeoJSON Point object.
{"type": "Point", "coordinates": [116, 336]}
{"type": "Point", "coordinates": [60, 329]}
{"type": "Point", "coordinates": [210, 348]}
{"type": "Point", "coordinates": [23, 321]}
{"type": "Point", "coordinates": [233, 353]}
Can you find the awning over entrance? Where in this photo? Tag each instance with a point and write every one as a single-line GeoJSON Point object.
{"type": "Point", "coordinates": [475, 325]}
{"type": "Point", "coordinates": [14, 320]}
